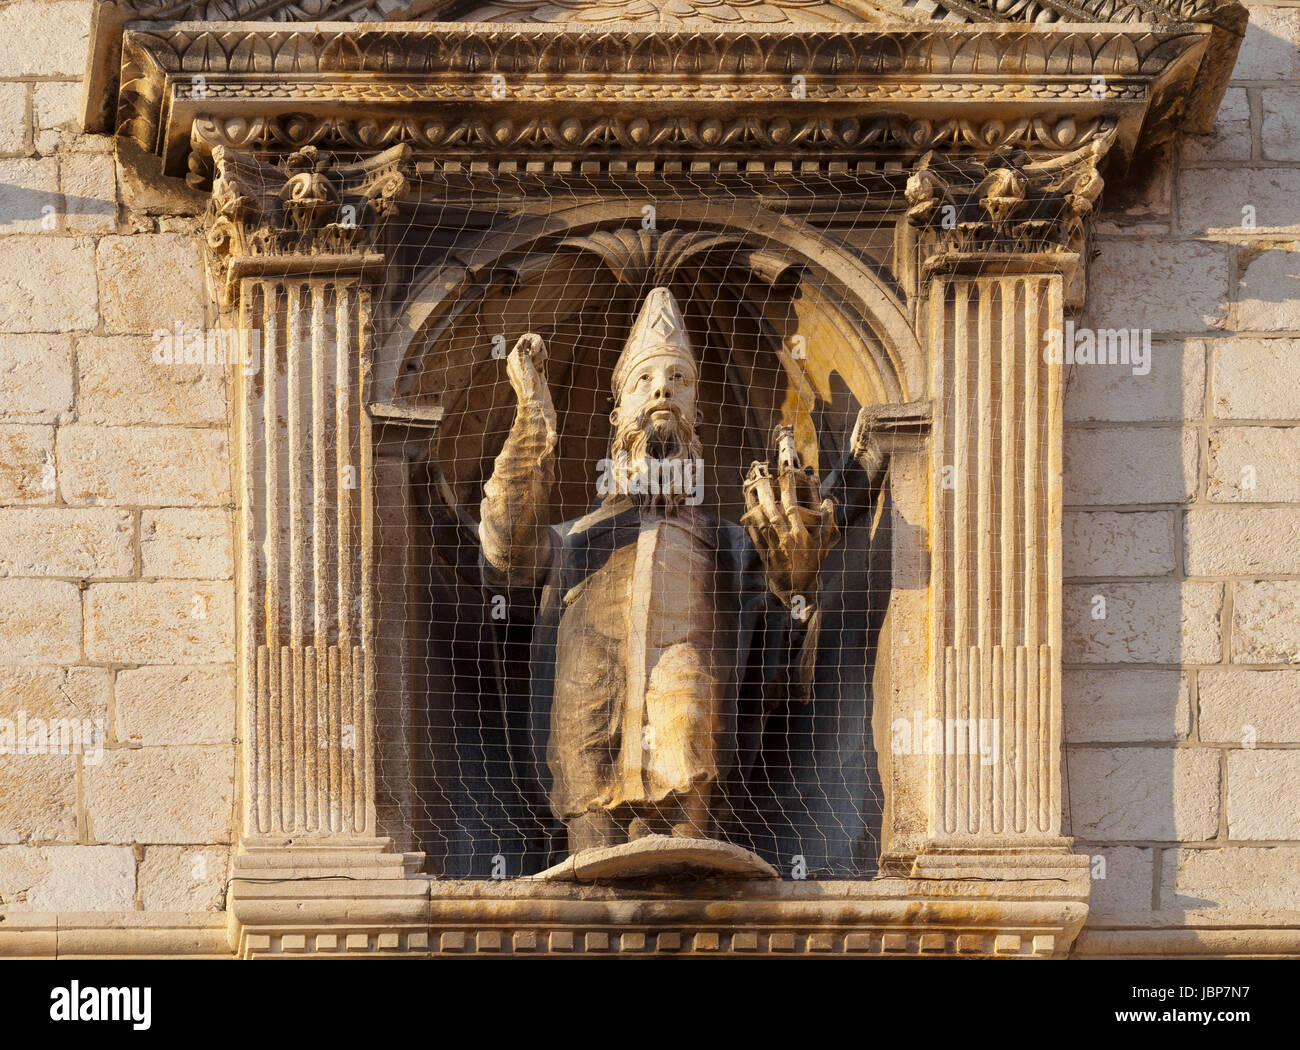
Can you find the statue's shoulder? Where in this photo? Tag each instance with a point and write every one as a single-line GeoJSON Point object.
{"type": "Point", "coordinates": [602, 516]}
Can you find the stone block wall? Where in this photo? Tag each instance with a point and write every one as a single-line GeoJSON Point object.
{"type": "Point", "coordinates": [1182, 525]}
{"type": "Point", "coordinates": [1182, 698]}
{"type": "Point", "coordinates": [116, 568]}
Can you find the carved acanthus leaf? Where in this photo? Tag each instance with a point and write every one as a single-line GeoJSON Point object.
{"type": "Point", "coordinates": [306, 206]}
{"type": "Point", "coordinates": [754, 12]}
{"type": "Point", "coordinates": [1007, 204]}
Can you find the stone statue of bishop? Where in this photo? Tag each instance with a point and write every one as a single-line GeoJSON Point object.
{"type": "Point", "coordinates": [650, 605]}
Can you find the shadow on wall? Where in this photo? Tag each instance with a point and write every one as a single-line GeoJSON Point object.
{"type": "Point", "coordinates": [18, 204]}
{"type": "Point", "coordinates": [1197, 272]}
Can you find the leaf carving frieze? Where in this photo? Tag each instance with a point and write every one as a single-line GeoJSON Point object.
{"type": "Point", "coordinates": [898, 54]}
{"type": "Point", "coordinates": [677, 12]}
{"type": "Point", "coordinates": [575, 132]}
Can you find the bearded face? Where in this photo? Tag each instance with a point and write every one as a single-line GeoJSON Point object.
{"type": "Point", "coordinates": [654, 420]}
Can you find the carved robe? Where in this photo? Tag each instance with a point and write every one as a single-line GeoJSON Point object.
{"type": "Point", "coordinates": [644, 617]}
{"type": "Point", "coordinates": [647, 628]}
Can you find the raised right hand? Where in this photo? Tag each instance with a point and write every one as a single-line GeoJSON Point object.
{"type": "Point", "coordinates": [526, 369]}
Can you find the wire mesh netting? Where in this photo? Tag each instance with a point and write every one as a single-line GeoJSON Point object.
{"type": "Point", "coordinates": [632, 581]}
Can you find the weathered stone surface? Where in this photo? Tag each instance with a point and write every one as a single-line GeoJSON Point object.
{"type": "Point", "coordinates": [26, 464]}
{"type": "Point", "coordinates": [54, 692]}
{"type": "Point", "coordinates": [1142, 794]}
{"type": "Point", "coordinates": [1149, 196]}
{"type": "Point", "coordinates": [56, 116]}
{"type": "Point", "coordinates": [161, 794]}
{"type": "Point", "coordinates": [1269, 51]}
{"type": "Point", "coordinates": [29, 191]}
{"type": "Point", "coordinates": [1237, 706]}
{"type": "Point", "coordinates": [145, 191]}
{"type": "Point", "coordinates": [120, 383]}
{"type": "Point", "coordinates": [1122, 465]}
{"type": "Point", "coordinates": [183, 878]}
{"type": "Point", "coordinates": [175, 705]}
{"type": "Point", "coordinates": [1160, 622]}
{"type": "Point", "coordinates": [160, 622]}
{"type": "Point", "coordinates": [1254, 465]}
{"type": "Point", "coordinates": [88, 182]}
{"type": "Point", "coordinates": [1241, 541]}
{"type": "Point", "coordinates": [87, 543]}
{"type": "Point", "coordinates": [40, 622]}
{"type": "Point", "coordinates": [150, 466]}
{"type": "Point", "coordinates": [1256, 378]}
{"type": "Point", "coordinates": [1109, 543]}
{"type": "Point", "coordinates": [1266, 293]}
{"type": "Point", "coordinates": [13, 117]}
{"type": "Point", "coordinates": [67, 878]}
{"type": "Point", "coordinates": [1280, 134]}
{"type": "Point", "coordinates": [1263, 622]}
{"type": "Point", "coordinates": [1233, 877]}
{"type": "Point", "coordinates": [1173, 389]}
{"type": "Point", "coordinates": [1230, 138]}
{"type": "Point", "coordinates": [1262, 790]}
{"type": "Point", "coordinates": [38, 797]}
{"type": "Point", "coordinates": [186, 544]}
{"type": "Point", "coordinates": [44, 39]}
{"type": "Point", "coordinates": [133, 299]}
{"type": "Point", "coordinates": [1128, 882]}
{"type": "Point", "coordinates": [1184, 286]}
{"type": "Point", "coordinates": [47, 284]}
{"type": "Point", "coordinates": [35, 377]}
{"type": "Point", "coordinates": [1125, 706]}
{"type": "Point", "coordinates": [1261, 201]}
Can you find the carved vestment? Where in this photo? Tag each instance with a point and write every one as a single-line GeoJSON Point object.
{"type": "Point", "coordinates": [649, 630]}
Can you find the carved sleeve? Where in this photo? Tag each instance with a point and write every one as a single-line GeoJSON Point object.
{"type": "Point", "coordinates": [513, 532]}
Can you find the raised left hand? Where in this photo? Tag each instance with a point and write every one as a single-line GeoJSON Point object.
{"type": "Point", "coordinates": [791, 527]}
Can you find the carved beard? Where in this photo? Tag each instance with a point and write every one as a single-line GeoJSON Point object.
{"type": "Point", "coordinates": [639, 440]}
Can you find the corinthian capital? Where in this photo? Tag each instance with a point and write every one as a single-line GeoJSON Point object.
{"type": "Point", "coordinates": [1009, 207]}
{"type": "Point", "coordinates": [303, 209]}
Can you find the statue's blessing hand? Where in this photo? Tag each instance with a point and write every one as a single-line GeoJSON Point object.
{"type": "Point", "coordinates": [792, 527]}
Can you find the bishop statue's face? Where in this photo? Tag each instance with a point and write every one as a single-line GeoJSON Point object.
{"type": "Point", "coordinates": [658, 398]}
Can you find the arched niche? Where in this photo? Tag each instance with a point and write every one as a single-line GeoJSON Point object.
{"type": "Point", "coordinates": [788, 329]}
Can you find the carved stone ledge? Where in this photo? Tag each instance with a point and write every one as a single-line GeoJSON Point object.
{"type": "Point", "coordinates": [885, 918]}
{"type": "Point", "coordinates": [113, 934]}
{"type": "Point", "coordinates": [1040, 11]}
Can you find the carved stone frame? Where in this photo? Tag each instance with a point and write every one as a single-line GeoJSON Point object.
{"type": "Point", "coordinates": [1007, 130]}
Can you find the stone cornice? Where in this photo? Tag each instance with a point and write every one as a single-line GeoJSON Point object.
{"type": "Point", "coordinates": [1038, 11]}
{"type": "Point", "coordinates": [492, 91]}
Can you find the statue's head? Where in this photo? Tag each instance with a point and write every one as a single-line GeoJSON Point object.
{"type": "Point", "coordinates": [655, 384]}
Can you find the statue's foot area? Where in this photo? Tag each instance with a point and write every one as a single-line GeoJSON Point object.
{"type": "Point", "coordinates": [593, 831]}
{"type": "Point", "coordinates": [639, 829]}
{"type": "Point", "coordinates": [661, 856]}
